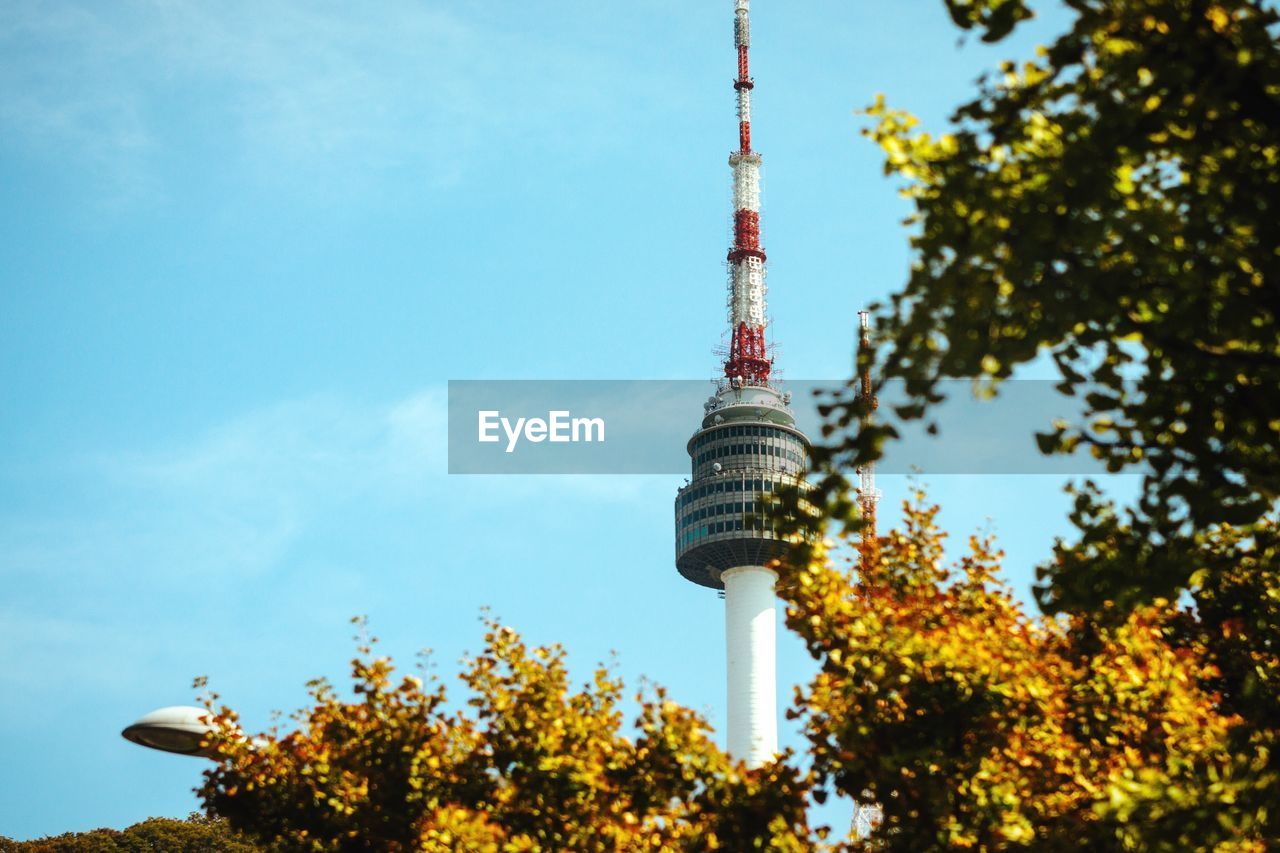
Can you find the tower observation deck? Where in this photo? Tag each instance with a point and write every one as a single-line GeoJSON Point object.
{"type": "Point", "coordinates": [745, 448]}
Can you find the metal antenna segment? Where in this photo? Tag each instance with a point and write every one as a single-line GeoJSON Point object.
{"type": "Point", "coordinates": [867, 816]}
{"type": "Point", "coordinates": [868, 494]}
{"type": "Point", "coordinates": [749, 360]}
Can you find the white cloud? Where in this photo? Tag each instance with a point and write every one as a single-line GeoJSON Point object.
{"type": "Point", "coordinates": [234, 501]}
{"type": "Point", "coordinates": [61, 91]}
{"type": "Point", "coordinates": [54, 655]}
{"type": "Point", "coordinates": [309, 447]}
{"type": "Point", "coordinates": [252, 486]}
{"type": "Point", "coordinates": [288, 88]}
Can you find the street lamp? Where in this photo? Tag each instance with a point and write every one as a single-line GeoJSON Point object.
{"type": "Point", "coordinates": [176, 728]}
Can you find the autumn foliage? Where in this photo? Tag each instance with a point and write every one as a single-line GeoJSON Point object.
{"type": "Point", "coordinates": [530, 764]}
{"type": "Point", "coordinates": [977, 725]}
{"type": "Point", "coordinates": [196, 834]}
{"type": "Point", "coordinates": [1108, 207]}
{"type": "Point", "coordinates": [972, 722]}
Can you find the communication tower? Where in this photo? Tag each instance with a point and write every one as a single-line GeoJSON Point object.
{"type": "Point", "coordinates": [747, 446]}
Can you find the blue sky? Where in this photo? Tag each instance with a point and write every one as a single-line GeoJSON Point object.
{"type": "Point", "coordinates": [245, 245]}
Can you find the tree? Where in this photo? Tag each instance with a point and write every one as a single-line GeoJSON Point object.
{"type": "Point", "coordinates": [1111, 206]}
{"type": "Point", "coordinates": [196, 834]}
{"type": "Point", "coordinates": [975, 725]}
{"type": "Point", "coordinates": [534, 766]}
{"type": "Point", "coordinates": [1108, 205]}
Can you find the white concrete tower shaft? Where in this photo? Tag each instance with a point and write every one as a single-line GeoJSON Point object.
{"type": "Point", "coordinates": [750, 624]}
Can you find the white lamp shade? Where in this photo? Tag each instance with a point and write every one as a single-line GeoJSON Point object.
{"type": "Point", "coordinates": [177, 728]}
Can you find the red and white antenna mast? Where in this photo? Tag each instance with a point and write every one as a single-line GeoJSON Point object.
{"type": "Point", "coordinates": [749, 362]}
{"type": "Point", "coordinates": [868, 494]}
{"type": "Point", "coordinates": [867, 815]}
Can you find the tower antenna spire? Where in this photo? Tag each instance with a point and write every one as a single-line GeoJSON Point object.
{"type": "Point", "coordinates": [867, 815]}
{"type": "Point", "coordinates": [868, 494]}
{"type": "Point", "coordinates": [749, 361]}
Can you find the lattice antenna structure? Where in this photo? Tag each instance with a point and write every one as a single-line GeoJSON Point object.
{"type": "Point", "coordinates": [867, 815]}
{"type": "Point", "coordinates": [868, 494]}
{"type": "Point", "coordinates": [749, 360]}
{"type": "Point", "coordinates": [866, 818]}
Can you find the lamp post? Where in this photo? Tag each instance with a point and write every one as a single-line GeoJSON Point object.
{"type": "Point", "coordinates": [176, 728]}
